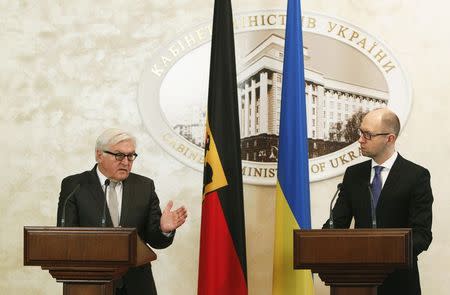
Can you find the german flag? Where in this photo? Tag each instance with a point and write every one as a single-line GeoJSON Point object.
{"type": "Point", "coordinates": [222, 262]}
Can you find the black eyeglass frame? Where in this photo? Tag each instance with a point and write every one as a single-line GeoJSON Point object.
{"type": "Point", "coordinates": [368, 136]}
{"type": "Point", "coordinates": [121, 156]}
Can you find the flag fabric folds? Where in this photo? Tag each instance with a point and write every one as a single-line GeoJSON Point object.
{"type": "Point", "coordinates": [222, 260]}
{"type": "Point", "coordinates": [292, 190]}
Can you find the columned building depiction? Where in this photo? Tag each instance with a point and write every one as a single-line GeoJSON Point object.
{"type": "Point", "coordinates": [329, 103]}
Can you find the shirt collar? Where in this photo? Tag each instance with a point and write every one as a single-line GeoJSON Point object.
{"type": "Point", "coordinates": [102, 178]}
{"type": "Point", "coordinates": [388, 163]}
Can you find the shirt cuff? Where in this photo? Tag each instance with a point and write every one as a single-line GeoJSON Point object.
{"type": "Point", "coordinates": [168, 235]}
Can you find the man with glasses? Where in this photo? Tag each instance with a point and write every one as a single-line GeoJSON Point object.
{"type": "Point", "coordinates": [400, 194]}
{"type": "Point", "coordinates": [131, 202]}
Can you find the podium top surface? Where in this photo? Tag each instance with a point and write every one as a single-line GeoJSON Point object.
{"type": "Point", "coordinates": [76, 246]}
{"type": "Point", "coordinates": [346, 248]}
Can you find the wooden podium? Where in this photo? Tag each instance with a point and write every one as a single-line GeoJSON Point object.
{"type": "Point", "coordinates": [353, 261]}
{"type": "Point", "coordinates": [85, 260]}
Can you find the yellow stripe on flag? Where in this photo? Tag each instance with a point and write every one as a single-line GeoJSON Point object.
{"type": "Point", "coordinates": [286, 280]}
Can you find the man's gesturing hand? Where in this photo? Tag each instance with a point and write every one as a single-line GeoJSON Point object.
{"type": "Point", "coordinates": [171, 220]}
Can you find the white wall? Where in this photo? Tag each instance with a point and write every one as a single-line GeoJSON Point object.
{"type": "Point", "coordinates": [71, 68]}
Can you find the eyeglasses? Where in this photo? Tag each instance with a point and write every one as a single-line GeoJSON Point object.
{"type": "Point", "coordinates": [121, 156]}
{"type": "Point", "coordinates": [368, 136]}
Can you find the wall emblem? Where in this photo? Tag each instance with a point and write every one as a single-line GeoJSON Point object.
{"type": "Point", "coordinates": [347, 71]}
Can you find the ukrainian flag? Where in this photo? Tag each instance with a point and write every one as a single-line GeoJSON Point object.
{"type": "Point", "coordinates": [292, 191]}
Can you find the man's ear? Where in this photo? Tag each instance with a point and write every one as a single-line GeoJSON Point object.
{"type": "Point", "coordinates": [98, 155]}
{"type": "Point", "coordinates": [391, 138]}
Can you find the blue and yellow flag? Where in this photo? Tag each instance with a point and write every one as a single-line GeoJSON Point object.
{"type": "Point", "coordinates": [292, 191]}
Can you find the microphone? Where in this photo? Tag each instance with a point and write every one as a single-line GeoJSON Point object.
{"type": "Point", "coordinates": [107, 182]}
{"type": "Point", "coordinates": [63, 215]}
{"type": "Point", "coordinates": [339, 187]}
{"type": "Point", "coordinates": [372, 207]}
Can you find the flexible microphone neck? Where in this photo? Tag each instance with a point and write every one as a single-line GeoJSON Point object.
{"type": "Point", "coordinates": [63, 215]}
{"type": "Point", "coordinates": [372, 207]}
{"type": "Point", "coordinates": [107, 182]}
{"type": "Point", "coordinates": [331, 220]}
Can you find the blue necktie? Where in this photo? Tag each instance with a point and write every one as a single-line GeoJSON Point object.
{"type": "Point", "coordinates": [376, 184]}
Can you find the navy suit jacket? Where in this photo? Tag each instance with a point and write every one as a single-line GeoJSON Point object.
{"type": "Point", "coordinates": [140, 209]}
{"type": "Point", "coordinates": [405, 201]}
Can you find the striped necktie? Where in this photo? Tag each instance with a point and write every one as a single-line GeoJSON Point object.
{"type": "Point", "coordinates": [113, 204]}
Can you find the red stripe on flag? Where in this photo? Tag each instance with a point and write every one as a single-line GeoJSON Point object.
{"type": "Point", "coordinates": [220, 271]}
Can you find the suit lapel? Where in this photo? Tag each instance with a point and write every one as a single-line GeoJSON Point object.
{"type": "Point", "coordinates": [391, 181]}
{"type": "Point", "coordinates": [364, 175]}
{"type": "Point", "coordinates": [127, 194]}
{"type": "Point", "coordinates": [97, 193]}
{"type": "Point", "coordinates": [364, 181]}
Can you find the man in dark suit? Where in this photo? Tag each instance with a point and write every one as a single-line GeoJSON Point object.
{"type": "Point", "coordinates": [401, 190]}
{"type": "Point", "coordinates": [131, 202]}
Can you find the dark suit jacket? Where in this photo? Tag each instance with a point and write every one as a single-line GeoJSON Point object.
{"type": "Point", "coordinates": [405, 201]}
{"type": "Point", "coordinates": [140, 209]}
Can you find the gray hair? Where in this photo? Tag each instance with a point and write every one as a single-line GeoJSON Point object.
{"type": "Point", "coordinates": [111, 137]}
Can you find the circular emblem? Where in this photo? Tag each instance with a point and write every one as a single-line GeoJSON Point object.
{"type": "Point", "coordinates": [347, 73]}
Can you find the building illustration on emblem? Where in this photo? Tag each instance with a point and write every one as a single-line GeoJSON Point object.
{"type": "Point", "coordinates": [333, 107]}
{"type": "Point", "coordinates": [194, 131]}
{"type": "Point", "coordinates": [330, 104]}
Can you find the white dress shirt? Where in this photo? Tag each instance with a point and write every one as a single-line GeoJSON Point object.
{"type": "Point", "coordinates": [118, 188]}
{"type": "Point", "coordinates": [387, 165]}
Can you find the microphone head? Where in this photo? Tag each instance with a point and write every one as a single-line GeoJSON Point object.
{"type": "Point", "coordinates": [107, 182]}
{"type": "Point", "coordinates": [340, 186]}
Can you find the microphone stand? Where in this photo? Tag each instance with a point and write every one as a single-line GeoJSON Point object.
{"type": "Point", "coordinates": [107, 182]}
{"type": "Point", "coordinates": [372, 207]}
{"type": "Point", "coordinates": [331, 222]}
{"type": "Point", "coordinates": [63, 215]}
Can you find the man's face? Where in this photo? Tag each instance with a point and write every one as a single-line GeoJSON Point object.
{"type": "Point", "coordinates": [113, 168]}
{"type": "Point", "coordinates": [376, 146]}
